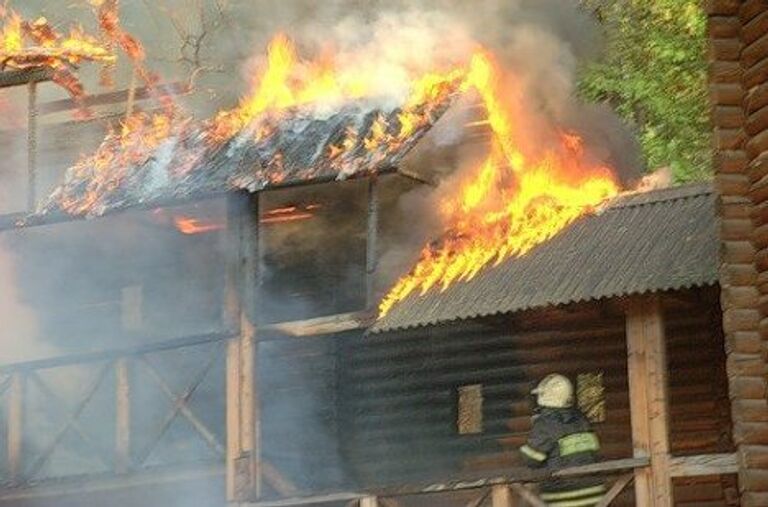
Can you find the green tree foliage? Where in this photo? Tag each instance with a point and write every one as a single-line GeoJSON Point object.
{"type": "Point", "coordinates": [653, 73]}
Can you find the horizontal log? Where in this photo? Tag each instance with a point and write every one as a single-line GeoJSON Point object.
{"type": "Point", "coordinates": [100, 483]}
{"type": "Point", "coordinates": [759, 213]}
{"type": "Point", "coordinates": [757, 144]}
{"type": "Point", "coordinates": [738, 274]}
{"type": "Point", "coordinates": [727, 50]}
{"type": "Point", "coordinates": [725, 72]}
{"type": "Point", "coordinates": [748, 388]}
{"type": "Point", "coordinates": [756, 99]}
{"type": "Point", "coordinates": [740, 297]}
{"type": "Point", "coordinates": [738, 252]}
{"type": "Point", "coordinates": [761, 260]}
{"type": "Point", "coordinates": [722, 7]}
{"type": "Point", "coordinates": [753, 499]}
{"type": "Point", "coordinates": [750, 433]}
{"type": "Point", "coordinates": [744, 342]}
{"type": "Point", "coordinates": [750, 410]}
{"type": "Point", "coordinates": [760, 235]}
{"type": "Point", "coordinates": [92, 357]}
{"type": "Point", "coordinates": [730, 180]}
{"type": "Point", "coordinates": [728, 138]}
{"type": "Point", "coordinates": [740, 320]}
{"type": "Point", "coordinates": [754, 52]}
{"type": "Point", "coordinates": [736, 229]}
{"type": "Point", "coordinates": [319, 326]}
{"type": "Point", "coordinates": [723, 27]}
{"type": "Point", "coordinates": [755, 75]}
{"type": "Point", "coordinates": [755, 27]}
{"type": "Point", "coordinates": [758, 191]}
{"type": "Point", "coordinates": [751, 479]}
{"type": "Point", "coordinates": [757, 121]}
{"type": "Point", "coordinates": [730, 161]}
{"type": "Point", "coordinates": [727, 116]}
{"type": "Point", "coordinates": [117, 97]}
{"type": "Point", "coordinates": [758, 169]}
{"type": "Point", "coordinates": [735, 206]}
{"type": "Point", "coordinates": [729, 94]}
{"type": "Point", "coordinates": [746, 365]}
{"type": "Point", "coordinates": [307, 500]}
{"type": "Point", "coordinates": [749, 9]}
{"type": "Point", "coordinates": [21, 77]}
{"type": "Point", "coordinates": [705, 464]}
{"type": "Point", "coordinates": [754, 456]}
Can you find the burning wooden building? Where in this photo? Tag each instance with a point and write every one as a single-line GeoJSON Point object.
{"type": "Point", "coordinates": [285, 386]}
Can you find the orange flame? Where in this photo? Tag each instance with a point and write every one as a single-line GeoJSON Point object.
{"type": "Point", "coordinates": [513, 201]}
{"type": "Point", "coordinates": [25, 45]}
{"type": "Point", "coordinates": [192, 226]}
{"type": "Point", "coordinates": [288, 81]}
{"type": "Point", "coordinates": [289, 214]}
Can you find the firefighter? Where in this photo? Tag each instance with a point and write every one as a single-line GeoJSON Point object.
{"type": "Point", "coordinates": [562, 437]}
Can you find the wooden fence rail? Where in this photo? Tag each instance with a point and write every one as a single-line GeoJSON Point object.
{"type": "Point", "coordinates": [121, 371]}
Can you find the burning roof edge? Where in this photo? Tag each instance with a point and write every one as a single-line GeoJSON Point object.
{"type": "Point", "coordinates": [22, 220]}
{"type": "Point", "coordinates": [595, 258]}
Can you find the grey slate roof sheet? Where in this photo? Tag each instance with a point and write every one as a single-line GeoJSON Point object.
{"type": "Point", "coordinates": [639, 243]}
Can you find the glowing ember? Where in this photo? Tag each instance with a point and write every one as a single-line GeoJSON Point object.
{"type": "Point", "coordinates": [289, 214]}
{"type": "Point", "coordinates": [28, 45]}
{"type": "Point", "coordinates": [192, 226]}
{"type": "Point", "coordinates": [513, 201]}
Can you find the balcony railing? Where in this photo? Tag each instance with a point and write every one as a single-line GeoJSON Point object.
{"type": "Point", "coordinates": [115, 412]}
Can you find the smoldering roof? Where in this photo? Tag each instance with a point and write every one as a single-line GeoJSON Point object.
{"type": "Point", "coordinates": [297, 150]}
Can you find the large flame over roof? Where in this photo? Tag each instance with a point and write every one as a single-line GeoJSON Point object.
{"type": "Point", "coordinates": [36, 44]}
{"type": "Point", "coordinates": [302, 119]}
{"type": "Point", "coordinates": [307, 118]}
{"type": "Point", "coordinates": [512, 202]}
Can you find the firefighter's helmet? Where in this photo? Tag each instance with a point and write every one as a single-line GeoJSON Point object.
{"type": "Point", "coordinates": [554, 391]}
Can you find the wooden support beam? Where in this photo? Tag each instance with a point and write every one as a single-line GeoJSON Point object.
{"type": "Point", "coordinates": [616, 489]}
{"type": "Point", "coordinates": [32, 146]}
{"type": "Point", "coordinates": [501, 496]}
{"type": "Point", "coordinates": [52, 491]}
{"type": "Point", "coordinates": [369, 501]}
{"type": "Point", "coordinates": [704, 464]}
{"type": "Point", "coordinates": [122, 416]}
{"type": "Point", "coordinates": [310, 500]}
{"type": "Point", "coordinates": [318, 326]}
{"type": "Point", "coordinates": [16, 425]}
{"type": "Point", "coordinates": [372, 232]}
{"type": "Point", "coordinates": [648, 396]}
{"type": "Point", "coordinates": [21, 77]}
{"type": "Point", "coordinates": [526, 494]}
{"type": "Point", "coordinates": [243, 419]}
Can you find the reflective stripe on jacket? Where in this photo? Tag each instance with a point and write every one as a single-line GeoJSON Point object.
{"type": "Point", "coordinates": [562, 438]}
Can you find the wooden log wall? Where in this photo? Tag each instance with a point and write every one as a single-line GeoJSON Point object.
{"type": "Point", "coordinates": [738, 56]}
{"type": "Point", "coordinates": [399, 392]}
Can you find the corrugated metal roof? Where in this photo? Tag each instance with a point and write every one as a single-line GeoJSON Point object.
{"type": "Point", "coordinates": [655, 241]}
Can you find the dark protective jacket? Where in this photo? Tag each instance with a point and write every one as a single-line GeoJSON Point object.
{"type": "Point", "coordinates": [562, 438]}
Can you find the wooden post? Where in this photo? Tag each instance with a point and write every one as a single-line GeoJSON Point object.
{"type": "Point", "coordinates": [369, 501]}
{"type": "Point", "coordinates": [15, 426]}
{"type": "Point", "coordinates": [243, 421]}
{"type": "Point", "coordinates": [122, 416]}
{"type": "Point", "coordinates": [647, 364]}
{"type": "Point", "coordinates": [371, 258]}
{"type": "Point", "coordinates": [501, 496]}
{"type": "Point", "coordinates": [32, 146]}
